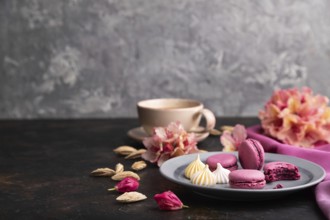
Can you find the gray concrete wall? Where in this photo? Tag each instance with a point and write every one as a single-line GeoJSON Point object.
{"type": "Point", "coordinates": [97, 58]}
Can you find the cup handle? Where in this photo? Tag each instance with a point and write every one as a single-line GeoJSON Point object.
{"type": "Point", "coordinates": [210, 119]}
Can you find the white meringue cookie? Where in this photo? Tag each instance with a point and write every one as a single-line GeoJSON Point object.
{"type": "Point", "coordinates": [204, 177]}
{"type": "Point", "coordinates": [194, 167]}
{"type": "Point", "coordinates": [221, 174]}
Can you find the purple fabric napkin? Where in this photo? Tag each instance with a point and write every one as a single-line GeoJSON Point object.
{"type": "Point", "coordinates": [319, 155]}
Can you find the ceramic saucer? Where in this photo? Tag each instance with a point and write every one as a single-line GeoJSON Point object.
{"type": "Point", "coordinates": [139, 134]}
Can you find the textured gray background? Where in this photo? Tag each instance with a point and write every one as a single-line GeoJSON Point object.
{"type": "Point", "coordinates": [97, 58]}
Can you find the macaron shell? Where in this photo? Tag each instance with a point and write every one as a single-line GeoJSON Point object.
{"type": "Point", "coordinates": [251, 154]}
{"type": "Point", "coordinates": [247, 179]}
{"type": "Point", "coordinates": [227, 161]}
{"type": "Point", "coordinates": [256, 185]}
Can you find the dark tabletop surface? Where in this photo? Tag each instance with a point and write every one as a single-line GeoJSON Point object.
{"type": "Point", "coordinates": [45, 166]}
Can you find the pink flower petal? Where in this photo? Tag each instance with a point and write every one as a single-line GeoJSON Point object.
{"type": "Point", "coordinates": [227, 141]}
{"type": "Point", "coordinates": [163, 158]}
{"type": "Point", "coordinates": [160, 133]}
{"type": "Point", "coordinates": [150, 156]}
{"type": "Point", "coordinates": [148, 142]}
{"type": "Point", "coordinates": [239, 134]}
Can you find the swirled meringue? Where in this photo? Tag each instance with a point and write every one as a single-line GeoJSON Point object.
{"type": "Point", "coordinates": [204, 177]}
{"type": "Point", "coordinates": [221, 174]}
{"type": "Point", "coordinates": [194, 167]}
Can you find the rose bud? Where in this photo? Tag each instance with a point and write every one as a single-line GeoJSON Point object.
{"type": "Point", "coordinates": [169, 201]}
{"type": "Point", "coordinates": [128, 184]}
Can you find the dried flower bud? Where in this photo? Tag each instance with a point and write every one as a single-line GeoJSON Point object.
{"type": "Point", "coordinates": [128, 184]}
{"type": "Point", "coordinates": [169, 201]}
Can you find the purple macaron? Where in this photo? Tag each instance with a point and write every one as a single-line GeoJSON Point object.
{"type": "Point", "coordinates": [247, 179]}
{"type": "Point", "coordinates": [275, 171]}
{"type": "Point", "coordinates": [251, 154]}
{"type": "Point", "coordinates": [228, 161]}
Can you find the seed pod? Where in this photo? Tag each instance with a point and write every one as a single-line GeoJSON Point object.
{"type": "Point", "coordinates": [122, 175]}
{"type": "Point", "coordinates": [124, 150]}
{"type": "Point", "coordinates": [139, 165]}
{"type": "Point", "coordinates": [227, 128]}
{"type": "Point", "coordinates": [103, 172]}
{"type": "Point", "coordinates": [119, 168]}
{"type": "Point", "coordinates": [136, 154]}
{"type": "Point", "coordinates": [128, 197]}
{"type": "Point", "coordinates": [215, 132]}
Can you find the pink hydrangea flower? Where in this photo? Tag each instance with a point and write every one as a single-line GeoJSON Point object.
{"type": "Point", "coordinates": [231, 140]}
{"type": "Point", "coordinates": [168, 142]}
{"type": "Point", "coordinates": [297, 117]}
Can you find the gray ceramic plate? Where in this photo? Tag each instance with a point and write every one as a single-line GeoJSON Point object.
{"type": "Point", "coordinates": [311, 174]}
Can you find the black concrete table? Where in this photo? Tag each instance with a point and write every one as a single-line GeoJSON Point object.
{"type": "Point", "coordinates": [45, 166]}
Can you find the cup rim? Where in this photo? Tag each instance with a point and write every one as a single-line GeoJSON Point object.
{"type": "Point", "coordinates": [144, 104]}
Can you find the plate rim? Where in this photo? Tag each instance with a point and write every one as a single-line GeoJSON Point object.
{"type": "Point", "coordinates": [315, 180]}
